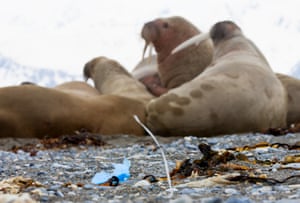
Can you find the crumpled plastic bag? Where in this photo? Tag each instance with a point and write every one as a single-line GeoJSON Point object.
{"type": "Point", "coordinates": [120, 170]}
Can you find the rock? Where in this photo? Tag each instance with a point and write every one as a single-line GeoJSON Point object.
{"type": "Point", "coordinates": [182, 199]}
{"type": "Point", "coordinates": [238, 200]}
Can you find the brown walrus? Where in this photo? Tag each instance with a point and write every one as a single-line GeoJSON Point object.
{"type": "Point", "coordinates": [292, 86]}
{"type": "Point", "coordinates": [237, 93]}
{"type": "Point", "coordinates": [32, 111]}
{"type": "Point", "coordinates": [110, 77]}
{"type": "Point", "coordinates": [78, 88]}
{"type": "Point", "coordinates": [175, 69]}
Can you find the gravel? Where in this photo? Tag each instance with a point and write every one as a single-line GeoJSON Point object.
{"type": "Point", "coordinates": [65, 173]}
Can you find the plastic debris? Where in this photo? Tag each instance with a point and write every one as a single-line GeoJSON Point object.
{"type": "Point", "coordinates": [121, 171]}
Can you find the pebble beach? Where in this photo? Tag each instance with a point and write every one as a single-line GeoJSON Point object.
{"type": "Point", "coordinates": [64, 174]}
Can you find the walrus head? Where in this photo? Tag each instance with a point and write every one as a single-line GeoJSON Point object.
{"type": "Point", "coordinates": [110, 77]}
{"type": "Point", "coordinates": [100, 69]}
{"type": "Point", "coordinates": [223, 31]}
{"type": "Point", "coordinates": [106, 65]}
{"type": "Point", "coordinates": [165, 34]}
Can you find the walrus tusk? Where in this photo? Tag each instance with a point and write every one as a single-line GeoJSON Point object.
{"type": "Point", "coordinates": [150, 50]}
{"type": "Point", "coordinates": [196, 40]}
{"type": "Point", "coordinates": [145, 48]}
{"type": "Point", "coordinates": [150, 45]}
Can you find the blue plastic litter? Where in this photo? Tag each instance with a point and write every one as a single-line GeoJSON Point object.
{"type": "Point", "coordinates": [120, 170]}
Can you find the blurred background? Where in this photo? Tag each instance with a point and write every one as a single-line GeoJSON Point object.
{"type": "Point", "coordinates": [49, 41]}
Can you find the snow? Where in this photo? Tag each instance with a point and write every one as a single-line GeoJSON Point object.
{"type": "Point", "coordinates": [12, 73]}
{"type": "Point", "coordinates": [65, 34]}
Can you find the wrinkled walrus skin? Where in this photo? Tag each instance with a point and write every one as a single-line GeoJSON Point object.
{"type": "Point", "coordinates": [29, 111]}
{"type": "Point", "coordinates": [237, 93]}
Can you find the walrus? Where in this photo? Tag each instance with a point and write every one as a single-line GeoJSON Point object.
{"type": "Point", "coordinates": [110, 77]}
{"type": "Point", "coordinates": [78, 88]}
{"type": "Point", "coordinates": [238, 92]}
{"type": "Point", "coordinates": [31, 111]}
{"type": "Point", "coordinates": [176, 69]}
{"type": "Point", "coordinates": [292, 86]}
{"type": "Point", "coordinates": [146, 72]}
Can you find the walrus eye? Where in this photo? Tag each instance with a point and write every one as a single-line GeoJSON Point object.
{"type": "Point", "coordinates": [165, 25]}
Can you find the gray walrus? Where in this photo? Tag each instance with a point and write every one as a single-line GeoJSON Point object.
{"type": "Point", "coordinates": [165, 34]}
{"type": "Point", "coordinates": [29, 111]}
{"type": "Point", "coordinates": [237, 93]}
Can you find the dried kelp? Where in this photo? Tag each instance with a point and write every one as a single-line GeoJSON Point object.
{"type": "Point", "coordinates": [17, 184]}
{"type": "Point", "coordinates": [214, 163]}
{"type": "Point", "coordinates": [207, 165]}
{"type": "Point", "coordinates": [294, 128]}
{"type": "Point", "coordinates": [79, 138]}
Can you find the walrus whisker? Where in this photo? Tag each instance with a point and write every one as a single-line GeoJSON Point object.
{"type": "Point", "coordinates": [161, 150]}
{"type": "Point", "coordinates": [196, 40]}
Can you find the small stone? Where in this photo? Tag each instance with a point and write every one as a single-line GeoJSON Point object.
{"type": "Point", "coordinates": [188, 138]}
{"type": "Point", "coordinates": [51, 193]}
{"type": "Point", "coordinates": [44, 199]}
{"type": "Point", "coordinates": [212, 200]}
{"type": "Point", "coordinates": [71, 193]}
{"type": "Point", "coordinates": [231, 191]}
{"type": "Point", "coordinates": [182, 199]}
{"type": "Point", "coordinates": [88, 186]}
{"type": "Point", "coordinates": [238, 200]}
{"type": "Point", "coordinates": [54, 187]}
{"type": "Point", "coordinates": [40, 192]}
{"type": "Point", "coordinates": [95, 197]}
{"type": "Point", "coordinates": [187, 191]}
{"type": "Point", "coordinates": [57, 165]}
{"type": "Point", "coordinates": [142, 183]}
{"type": "Point", "coordinates": [59, 194]}
{"type": "Point", "coordinates": [41, 173]}
{"type": "Point", "coordinates": [261, 190]}
{"type": "Point", "coordinates": [288, 201]}
{"type": "Point", "coordinates": [191, 146]}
